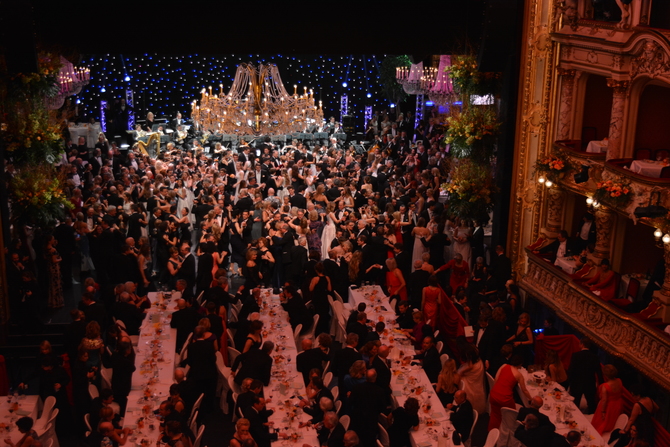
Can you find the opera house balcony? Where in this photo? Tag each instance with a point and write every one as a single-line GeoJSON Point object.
{"type": "Point", "coordinates": [634, 338]}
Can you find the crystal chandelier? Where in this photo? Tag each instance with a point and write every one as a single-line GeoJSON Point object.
{"type": "Point", "coordinates": [416, 80]}
{"type": "Point", "coordinates": [257, 104]}
{"type": "Point", "coordinates": [71, 80]}
{"type": "Point", "coordinates": [442, 90]}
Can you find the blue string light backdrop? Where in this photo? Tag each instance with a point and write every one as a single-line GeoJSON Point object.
{"type": "Point", "coordinates": [165, 85]}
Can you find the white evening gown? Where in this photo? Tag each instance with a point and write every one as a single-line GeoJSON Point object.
{"type": "Point", "coordinates": [329, 233]}
{"type": "Point", "coordinates": [463, 248]}
{"type": "Point", "coordinates": [418, 251]}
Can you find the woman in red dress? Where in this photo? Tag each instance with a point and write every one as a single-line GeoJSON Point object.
{"type": "Point", "coordinates": [502, 392]}
{"type": "Point", "coordinates": [431, 298]}
{"type": "Point", "coordinates": [610, 405]}
{"type": "Point", "coordinates": [604, 282]}
{"type": "Point", "coordinates": [460, 272]}
{"type": "Point", "coordinates": [395, 282]}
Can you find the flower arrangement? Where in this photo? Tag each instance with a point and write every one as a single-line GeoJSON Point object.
{"type": "Point", "coordinates": [463, 72]}
{"type": "Point", "coordinates": [617, 193]}
{"type": "Point", "coordinates": [468, 130]}
{"type": "Point", "coordinates": [470, 189]}
{"type": "Point", "coordinates": [553, 166]}
{"type": "Point", "coordinates": [37, 196]}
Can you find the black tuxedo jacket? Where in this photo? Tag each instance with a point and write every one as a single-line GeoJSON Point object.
{"type": "Point", "coordinates": [333, 438]}
{"type": "Point", "coordinates": [462, 419]}
{"type": "Point", "coordinates": [184, 320]}
{"type": "Point", "coordinates": [298, 201]}
{"type": "Point", "coordinates": [256, 364]}
{"type": "Point", "coordinates": [187, 271]}
{"type": "Point", "coordinates": [583, 371]}
{"type": "Point", "coordinates": [383, 373]}
{"type": "Point", "coordinates": [342, 361]}
{"type": "Point", "coordinates": [307, 360]}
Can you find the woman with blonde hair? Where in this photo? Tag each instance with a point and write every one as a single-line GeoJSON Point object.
{"type": "Point", "coordinates": [554, 368]}
{"type": "Point", "coordinates": [448, 382]}
{"type": "Point", "coordinates": [395, 282]}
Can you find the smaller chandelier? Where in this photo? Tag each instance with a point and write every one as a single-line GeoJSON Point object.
{"type": "Point", "coordinates": [416, 80]}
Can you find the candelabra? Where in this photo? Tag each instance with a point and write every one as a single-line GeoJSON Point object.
{"type": "Point", "coordinates": [258, 104]}
{"type": "Point", "coordinates": [71, 80]}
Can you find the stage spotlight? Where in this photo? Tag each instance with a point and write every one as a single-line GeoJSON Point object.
{"type": "Point", "coordinates": [127, 78]}
{"type": "Point", "coordinates": [369, 95]}
{"type": "Point", "coordinates": [583, 176]}
{"type": "Point", "coordinates": [344, 84]}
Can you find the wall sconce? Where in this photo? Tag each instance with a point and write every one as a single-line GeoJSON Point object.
{"type": "Point", "coordinates": [666, 239]}
{"type": "Point", "coordinates": [541, 179]}
{"type": "Point", "coordinates": [548, 183]}
{"type": "Point", "coordinates": [596, 204]}
{"type": "Point", "coordinates": [658, 234]}
{"type": "Point", "coordinates": [589, 201]}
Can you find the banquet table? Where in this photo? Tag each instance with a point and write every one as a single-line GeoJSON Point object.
{"type": "Point", "coordinates": [408, 379]}
{"type": "Point", "coordinates": [154, 363]}
{"type": "Point", "coordinates": [88, 131]}
{"type": "Point", "coordinates": [567, 264]}
{"type": "Point", "coordinates": [286, 386]}
{"type": "Point", "coordinates": [28, 405]}
{"type": "Point", "coordinates": [648, 168]}
{"type": "Point", "coordinates": [597, 146]}
{"type": "Point", "coordinates": [561, 410]}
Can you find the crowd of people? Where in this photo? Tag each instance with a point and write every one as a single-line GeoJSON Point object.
{"type": "Point", "coordinates": [308, 222]}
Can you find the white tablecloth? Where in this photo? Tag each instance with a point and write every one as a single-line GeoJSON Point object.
{"type": "Point", "coordinates": [568, 264]}
{"type": "Point", "coordinates": [286, 384]}
{"type": "Point", "coordinates": [597, 146]}
{"type": "Point", "coordinates": [154, 363]}
{"type": "Point", "coordinates": [407, 380]}
{"type": "Point", "coordinates": [562, 412]}
{"type": "Point", "coordinates": [30, 406]}
{"type": "Point", "coordinates": [648, 168]}
{"type": "Point", "coordinates": [88, 131]}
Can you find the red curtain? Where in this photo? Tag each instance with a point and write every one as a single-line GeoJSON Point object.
{"type": "Point", "coordinates": [564, 345]}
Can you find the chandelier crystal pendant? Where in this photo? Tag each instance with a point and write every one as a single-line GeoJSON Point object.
{"type": "Point", "coordinates": [257, 104]}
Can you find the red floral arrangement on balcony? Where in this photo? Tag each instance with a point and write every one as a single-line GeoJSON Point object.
{"type": "Point", "coordinates": [615, 193]}
{"type": "Point", "coordinates": [553, 167]}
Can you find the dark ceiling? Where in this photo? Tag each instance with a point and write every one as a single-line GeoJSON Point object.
{"type": "Point", "coordinates": [418, 28]}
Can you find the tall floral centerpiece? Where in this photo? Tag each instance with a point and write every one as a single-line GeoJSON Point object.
{"type": "Point", "coordinates": [471, 134]}
{"type": "Point", "coordinates": [33, 141]}
{"type": "Point", "coordinates": [613, 192]}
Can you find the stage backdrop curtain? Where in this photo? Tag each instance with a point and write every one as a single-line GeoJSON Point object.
{"type": "Point", "coordinates": [564, 345]}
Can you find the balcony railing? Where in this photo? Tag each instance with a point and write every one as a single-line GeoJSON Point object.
{"type": "Point", "coordinates": [638, 343]}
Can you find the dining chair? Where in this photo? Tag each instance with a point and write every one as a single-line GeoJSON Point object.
{"type": "Point", "coordinates": [184, 349]}
{"type": "Point", "coordinates": [444, 358]}
{"type": "Point", "coordinates": [121, 324]}
{"type": "Point", "coordinates": [338, 297]}
{"type": "Point", "coordinates": [508, 425]}
{"type": "Point", "coordinates": [233, 385]}
{"type": "Point", "coordinates": [338, 406]}
{"type": "Point", "coordinates": [383, 436]}
{"type": "Point", "coordinates": [524, 399]}
{"type": "Point", "coordinates": [383, 420]}
{"type": "Point", "coordinates": [232, 315]}
{"type": "Point", "coordinates": [325, 369]}
{"type": "Point", "coordinates": [475, 418]}
{"type": "Point", "coordinates": [193, 425]}
{"type": "Point", "coordinates": [328, 379]}
{"type": "Point", "coordinates": [232, 354]}
{"type": "Point", "coordinates": [632, 290]}
{"type": "Point", "coordinates": [198, 438]}
{"type": "Point", "coordinates": [392, 303]}
{"type": "Point", "coordinates": [335, 391]}
{"type": "Point", "coordinates": [93, 391]}
{"type": "Point", "coordinates": [106, 378]}
{"type": "Point", "coordinates": [439, 345]}
{"type": "Point", "coordinates": [296, 336]}
{"type": "Point", "coordinates": [49, 404]}
{"type": "Point", "coordinates": [87, 421]}
{"type": "Point", "coordinates": [345, 421]}
{"type": "Point", "coordinates": [199, 298]}
{"type": "Point", "coordinates": [196, 407]}
{"type": "Point", "coordinates": [665, 172]}
{"type": "Point", "coordinates": [492, 438]}
{"type": "Point", "coordinates": [642, 154]}
{"type": "Point", "coordinates": [231, 338]}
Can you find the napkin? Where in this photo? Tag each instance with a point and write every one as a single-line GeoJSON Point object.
{"type": "Point", "coordinates": [23, 412]}
{"type": "Point", "coordinates": [437, 415]}
{"type": "Point", "coordinates": [397, 393]}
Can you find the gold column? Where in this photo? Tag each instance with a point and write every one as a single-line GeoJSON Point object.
{"type": "Point", "coordinates": [605, 220]}
{"type": "Point", "coordinates": [620, 89]}
{"type": "Point", "coordinates": [565, 109]}
{"type": "Point", "coordinates": [554, 218]}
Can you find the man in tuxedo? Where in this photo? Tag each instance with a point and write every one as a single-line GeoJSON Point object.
{"type": "Point", "coordinates": [404, 319]}
{"type": "Point", "coordinates": [296, 198]}
{"type": "Point", "coordinates": [258, 416]}
{"type": "Point", "coordinates": [418, 280]}
{"type": "Point", "coordinates": [583, 371]}
{"type": "Point", "coordinates": [532, 434]}
{"type": "Point", "coordinates": [255, 363]}
{"type": "Point", "coordinates": [435, 244]}
{"type": "Point", "coordinates": [361, 329]}
{"type": "Point", "coordinates": [93, 310]}
{"type": "Point", "coordinates": [311, 358]}
{"type": "Point", "coordinates": [486, 337]}
{"type": "Point", "coordinates": [298, 257]}
{"type": "Point", "coordinates": [332, 432]}
{"type": "Point", "coordinates": [296, 309]}
{"type": "Point", "coordinates": [534, 408]}
{"type": "Point", "coordinates": [461, 417]}
{"type": "Point", "coordinates": [245, 202]}
{"type": "Point", "coordinates": [502, 267]}
{"type": "Point", "coordinates": [184, 319]}
{"type": "Point", "coordinates": [381, 364]}
{"type": "Point", "coordinates": [176, 122]}
{"type": "Point", "coordinates": [283, 242]}
{"type": "Point", "coordinates": [130, 314]}
{"type": "Point", "coordinates": [345, 357]}
{"type": "Point", "coordinates": [430, 359]}
{"type": "Point", "coordinates": [587, 232]}
{"type": "Point", "coordinates": [477, 241]}
{"type": "Point", "coordinates": [367, 400]}
{"type": "Point", "coordinates": [187, 270]}
{"type": "Point", "coordinates": [561, 247]}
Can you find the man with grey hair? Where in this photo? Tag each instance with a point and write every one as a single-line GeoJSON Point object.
{"type": "Point", "coordinates": [332, 432]}
{"type": "Point", "coordinates": [128, 313]}
{"type": "Point", "coordinates": [351, 439]}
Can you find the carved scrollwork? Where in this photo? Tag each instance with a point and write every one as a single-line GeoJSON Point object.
{"type": "Point", "coordinates": [651, 60]}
